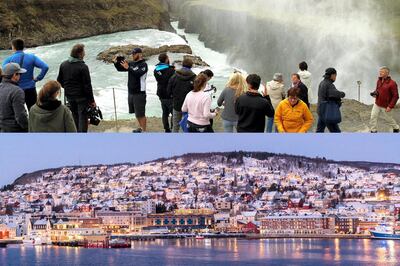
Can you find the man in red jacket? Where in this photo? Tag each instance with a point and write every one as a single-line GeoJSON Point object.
{"type": "Point", "coordinates": [386, 95]}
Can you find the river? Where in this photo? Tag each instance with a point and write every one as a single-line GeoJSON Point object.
{"type": "Point", "coordinates": [215, 252]}
{"type": "Point", "coordinates": [105, 77]}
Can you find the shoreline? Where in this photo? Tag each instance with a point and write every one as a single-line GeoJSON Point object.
{"type": "Point", "coordinates": [249, 237]}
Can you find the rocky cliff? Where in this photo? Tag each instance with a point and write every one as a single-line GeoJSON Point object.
{"type": "Point", "coordinates": [42, 22]}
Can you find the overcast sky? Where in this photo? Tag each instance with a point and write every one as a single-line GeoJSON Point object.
{"type": "Point", "coordinates": [27, 153]}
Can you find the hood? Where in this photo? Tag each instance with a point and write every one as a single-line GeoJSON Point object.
{"type": "Point", "coordinates": [75, 60]}
{"type": "Point", "coordinates": [305, 75]}
{"type": "Point", "coordinates": [162, 66]}
{"type": "Point", "coordinates": [275, 85]}
{"type": "Point", "coordinates": [48, 111]}
{"type": "Point", "coordinates": [185, 74]}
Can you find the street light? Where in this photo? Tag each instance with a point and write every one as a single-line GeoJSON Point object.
{"type": "Point", "coordinates": [359, 90]}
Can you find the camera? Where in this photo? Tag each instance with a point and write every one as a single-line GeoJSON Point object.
{"type": "Point", "coordinates": [118, 61]}
{"type": "Point", "coordinates": [212, 90]}
{"type": "Point", "coordinates": [94, 115]}
{"type": "Point", "coordinates": [375, 94]}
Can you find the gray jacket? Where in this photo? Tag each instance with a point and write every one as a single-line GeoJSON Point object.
{"type": "Point", "coordinates": [227, 98]}
{"type": "Point", "coordinates": [13, 115]}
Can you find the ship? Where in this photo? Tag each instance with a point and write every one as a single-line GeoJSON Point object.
{"type": "Point", "coordinates": [385, 231]}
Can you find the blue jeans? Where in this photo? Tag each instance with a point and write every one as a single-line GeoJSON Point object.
{"type": "Point", "coordinates": [230, 126]}
{"type": "Point", "coordinates": [271, 126]}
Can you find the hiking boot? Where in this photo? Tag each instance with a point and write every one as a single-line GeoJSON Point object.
{"type": "Point", "coordinates": [139, 130]}
{"type": "Point", "coordinates": [396, 130]}
{"type": "Point", "coordinates": [168, 131]}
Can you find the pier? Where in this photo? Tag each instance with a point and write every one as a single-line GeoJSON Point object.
{"type": "Point", "coordinates": [152, 237]}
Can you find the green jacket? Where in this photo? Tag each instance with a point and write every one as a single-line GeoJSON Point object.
{"type": "Point", "coordinates": [51, 117]}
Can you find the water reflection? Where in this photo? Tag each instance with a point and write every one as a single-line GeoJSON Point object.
{"type": "Point", "coordinates": [214, 252]}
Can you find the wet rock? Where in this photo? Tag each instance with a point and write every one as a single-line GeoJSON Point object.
{"type": "Point", "coordinates": [197, 61]}
{"type": "Point", "coordinates": [126, 50]}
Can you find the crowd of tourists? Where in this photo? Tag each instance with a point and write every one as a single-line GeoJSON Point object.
{"type": "Point", "coordinates": [246, 105]}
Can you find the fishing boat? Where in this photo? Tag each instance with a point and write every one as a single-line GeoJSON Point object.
{"type": "Point", "coordinates": [384, 231]}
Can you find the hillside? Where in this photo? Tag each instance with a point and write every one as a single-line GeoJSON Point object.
{"type": "Point", "coordinates": [42, 22]}
{"type": "Point", "coordinates": [283, 162]}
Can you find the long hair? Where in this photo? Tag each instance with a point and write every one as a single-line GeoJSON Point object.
{"type": "Point", "coordinates": [48, 92]}
{"type": "Point", "coordinates": [238, 83]}
{"type": "Point", "coordinates": [200, 82]}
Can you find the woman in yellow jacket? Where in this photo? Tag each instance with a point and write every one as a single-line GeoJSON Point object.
{"type": "Point", "coordinates": [292, 115]}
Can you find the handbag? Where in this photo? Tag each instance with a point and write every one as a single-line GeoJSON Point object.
{"type": "Point", "coordinates": [330, 112]}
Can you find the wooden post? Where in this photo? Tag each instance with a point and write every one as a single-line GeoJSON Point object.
{"type": "Point", "coordinates": [115, 111]}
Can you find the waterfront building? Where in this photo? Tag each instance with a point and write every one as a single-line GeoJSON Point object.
{"type": "Point", "coordinates": [314, 224]}
{"type": "Point", "coordinates": [182, 220]}
{"type": "Point", "coordinates": [7, 232]}
{"type": "Point", "coordinates": [347, 225]}
{"type": "Point", "coordinates": [63, 231]}
{"type": "Point", "coordinates": [122, 222]}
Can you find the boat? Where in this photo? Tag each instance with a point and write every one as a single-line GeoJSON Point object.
{"type": "Point", "coordinates": [119, 243]}
{"type": "Point", "coordinates": [36, 240]}
{"type": "Point", "coordinates": [32, 241]}
{"type": "Point", "coordinates": [199, 237]}
{"type": "Point", "coordinates": [385, 231]}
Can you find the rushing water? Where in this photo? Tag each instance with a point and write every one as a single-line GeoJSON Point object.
{"type": "Point", "coordinates": [105, 77]}
{"type": "Point", "coordinates": [215, 252]}
{"type": "Point", "coordinates": [356, 37]}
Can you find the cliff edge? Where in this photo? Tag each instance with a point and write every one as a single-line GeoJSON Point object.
{"type": "Point", "coordinates": [42, 22]}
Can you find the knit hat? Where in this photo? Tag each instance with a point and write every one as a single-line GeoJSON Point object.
{"type": "Point", "coordinates": [329, 72]}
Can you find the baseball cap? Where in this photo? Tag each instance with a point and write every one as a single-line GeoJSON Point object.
{"type": "Point", "coordinates": [137, 51]}
{"type": "Point", "coordinates": [12, 68]}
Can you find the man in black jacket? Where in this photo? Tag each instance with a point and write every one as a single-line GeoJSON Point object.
{"type": "Point", "coordinates": [137, 87]}
{"type": "Point", "coordinates": [296, 83]}
{"type": "Point", "coordinates": [74, 77]}
{"type": "Point", "coordinates": [327, 92]}
{"type": "Point", "coordinates": [178, 87]}
{"type": "Point", "coordinates": [163, 73]}
{"type": "Point", "coordinates": [252, 108]}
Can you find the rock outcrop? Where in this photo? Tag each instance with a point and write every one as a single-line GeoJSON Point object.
{"type": "Point", "coordinates": [197, 61]}
{"type": "Point", "coordinates": [108, 55]}
{"type": "Point", "coordinates": [42, 22]}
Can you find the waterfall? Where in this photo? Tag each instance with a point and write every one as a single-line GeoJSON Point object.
{"type": "Point", "coordinates": [353, 36]}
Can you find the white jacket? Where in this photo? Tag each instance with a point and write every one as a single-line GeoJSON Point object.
{"type": "Point", "coordinates": [306, 78]}
{"type": "Point", "coordinates": [276, 92]}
